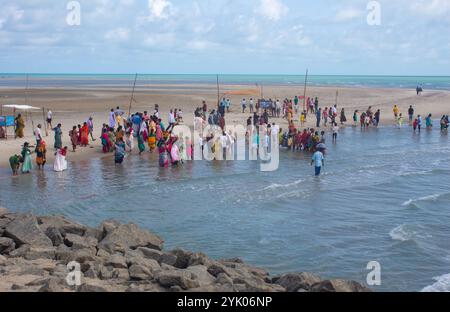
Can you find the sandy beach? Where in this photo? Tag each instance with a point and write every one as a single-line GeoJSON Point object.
{"type": "Point", "coordinates": [72, 106]}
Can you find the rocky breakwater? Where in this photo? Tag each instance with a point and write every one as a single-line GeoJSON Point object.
{"type": "Point", "coordinates": [35, 253]}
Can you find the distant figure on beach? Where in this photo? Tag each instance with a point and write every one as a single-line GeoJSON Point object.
{"type": "Point", "coordinates": [419, 122]}
{"type": "Point", "coordinates": [444, 123]}
{"type": "Point", "coordinates": [38, 134]}
{"type": "Point", "coordinates": [14, 162]}
{"type": "Point", "coordinates": [355, 118]}
{"type": "Point", "coordinates": [244, 105]}
{"type": "Point", "coordinates": [419, 89]}
{"type": "Point", "coordinates": [429, 122]}
{"type": "Point", "coordinates": [49, 119]}
{"type": "Point", "coordinates": [60, 164]}
{"type": "Point", "coordinates": [112, 118]}
{"type": "Point", "coordinates": [410, 114]}
{"type": "Point", "coordinates": [318, 161]}
{"type": "Point", "coordinates": [20, 126]}
{"type": "Point", "coordinates": [90, 124]}
{"type": "Point", "coordinates": [73, 134]}
{"type": "Point", "coordinates": [400, 120]}
{"type": "Point", "coordinates": [396, 111]}
{"type": "Point", "coordinates": [376, 118]}
{"type": "Point", "coordinates": [343, 118]}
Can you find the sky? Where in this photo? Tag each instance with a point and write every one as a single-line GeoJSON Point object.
{"type": "Point", "coordinates": [226, 37]}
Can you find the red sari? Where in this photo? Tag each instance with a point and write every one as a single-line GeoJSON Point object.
{"type": "Point", "coordinates": [84, 136]}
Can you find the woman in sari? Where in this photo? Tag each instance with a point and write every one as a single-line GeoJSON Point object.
{"type": "Point", "coordinates": [112, 138]}
{"type": "Point", "coordinates": [58, 134]}
{"type": "Point", "coordinates": [73, 134]}
{"type": "Point", "coordinates": [14, 162]}
{"type": "Point", "coordinates": [41, 153]}
{"type": "Point", "coordinates": [163, 157]}
{"type": "Point", "coordinates": [152, 140]}
{"type": "Point", "coordinates": [106, 142]}
{"type": "Point", "coordinates": [84, 135]}
{"type": "Point", "coordinates": [119, 151]}
{"type": "Point", "coordinates": [120, 134]}
{"type": "Point", "coordinates": [60, 164]}
{"type": "Point", "coordinates": [26, 156]}
{"type": "Point", "coordinates": [20, 126]}
{"type": "Point", "coordinates": [175, 154]}
{"type": "Point", "coordinates": [130, 139]}
{"type": "Point", "coordinates": [141, 144]}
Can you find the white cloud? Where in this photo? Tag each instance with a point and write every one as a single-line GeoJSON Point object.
{"type": "Point", "coordinates": [201, 45]}
{"type": "Point", "coordinates": [161, 40]}
{"type": "Point", "coordinates": [431, 7]}
{"type": "Point", "coordinates": [348, 14]}
{"type": "Point", "coordinates": [160, 9]}
{"type": "Point", "coordinates": [118, 34]}
{"type": "Point", "coordinates": [273, 9]}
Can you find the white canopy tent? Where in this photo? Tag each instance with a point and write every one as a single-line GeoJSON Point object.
{"type": "Point", "coordinates": [25, 108]}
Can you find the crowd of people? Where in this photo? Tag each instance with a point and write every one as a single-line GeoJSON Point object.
{"type": "Point", "coordinates": [118, 136]}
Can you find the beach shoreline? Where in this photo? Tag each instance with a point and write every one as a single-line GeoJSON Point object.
{"type": "Point", "coordinates": [74, 105]}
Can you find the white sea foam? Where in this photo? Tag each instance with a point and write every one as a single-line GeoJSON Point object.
{"type": "Point", "coordinates": [277, 186]}
{"type": "Point", "coordinates": [420, 199]}
{"type": "Point", "coordinates": [442, 284]}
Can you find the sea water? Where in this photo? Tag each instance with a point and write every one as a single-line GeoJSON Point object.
{"type": "Point", "coordinates": [144, 80]}
{"type": "Point", "coordinates": [384, 196]}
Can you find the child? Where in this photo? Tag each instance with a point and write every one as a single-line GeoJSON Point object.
{"type": "Point", "coordinates": [415, 124]}
{"type": "Point", "coordinates": [303, 118]}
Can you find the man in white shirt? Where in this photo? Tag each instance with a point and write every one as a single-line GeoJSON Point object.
{"type": "Point", "coordinates": [244, 105]}
{"type": "Point", "coordinates": [224, 144]}
{"type": "Point", "coordinates": [38, 135]}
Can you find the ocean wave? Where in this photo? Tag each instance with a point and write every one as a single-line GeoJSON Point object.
{"type": "Point", "coordinates": [407, 232]}
{"type": "Point", "coordinates": [411, 202]}
{"type": "Point", "coordinates": [442, 284]}
{"type": "Point", "coordinates": [277, 186]}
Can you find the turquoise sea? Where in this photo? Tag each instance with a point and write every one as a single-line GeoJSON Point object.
{"type": "Point", "coordinates": [115, 80]}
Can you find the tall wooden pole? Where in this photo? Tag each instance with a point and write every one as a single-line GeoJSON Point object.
{"type": "Point", "coordinates": [337, 94]}
{"type": "Point", "coordinates": [218, 92]}
{"type": "Point", "coordinates": [45, 122]}
{"type": "Point", "coordinates": [304, 91]}
{"type": "Point", "coordinates": [132, 95]}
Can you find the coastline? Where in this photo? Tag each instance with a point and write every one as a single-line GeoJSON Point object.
{"type": "Point", "coordinates": [35, 253]}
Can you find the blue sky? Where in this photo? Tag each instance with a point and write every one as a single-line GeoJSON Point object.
{"type": "Point", "coordinates": [226, 36]}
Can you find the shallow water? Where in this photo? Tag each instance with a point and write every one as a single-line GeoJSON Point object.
{"type": "Point", "coordinates": [384, 197]}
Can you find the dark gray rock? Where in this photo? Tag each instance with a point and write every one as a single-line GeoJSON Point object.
{"type": "Point", "coordinates": [295, 281]}
{"type": "Point", "coordinates": [77, 242]}
{"type": "Point", "coordinates": [55, 236]}
{"type": "Point", "coordinates": [179, 278]}
{"type": "Point", "coordinates": [139, 273]}
{"type": "Point", "coordinates": [63, 225]}
{"type": "Point", "coordinates": [24, 229]}
{"type": "Point", "coordinates": [151, 253]}
{"type": "Point", "coordinates": [129, 236]}
{"type": "Point", "coordinates": [6, 245]}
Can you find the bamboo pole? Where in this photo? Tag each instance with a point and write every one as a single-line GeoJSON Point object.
{"type": "Point", "coordinates": [218, 93]}
{"type": "Point", "coordinates": [132, 94]}
{"type": "Point", "coordinates": [45, 121]}
{"type": "Point", "coordinates": [304, 91]}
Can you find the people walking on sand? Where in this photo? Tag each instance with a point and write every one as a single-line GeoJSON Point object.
{"type": "Point", "coordinates": [73, 134]}
{"type": "Point", "coordinates": [243, 105]}
{"type": "Point", "coordinates": [429, 122]}
{"type": "Point", "coordinates": [60, 164]}
{"type": "Point", "coordinates": [20, 126]}
{"type": "Point", "coordinates": [318, 117]}
{"type": "Point", "coordinates": [14, 162]}
{"type": "Point", "coordinates": [318, 161]}
{"type": "Point", "coordinates": [84, 135]}
{"type": "Point", "coordinates": [26, 158]}
{"type": "Point", "coordinates": [90, 124]}
{"type": "Point", "coordinates": [58, 137]}
{"type": "Point", "coordinates": [112, 118]}
{"type": "Point", "coordinates": [410, 114]}
{"type": "Point", "coordinates": [41, 154]}
{"type": "Point", "coordinates": [49, 119]}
